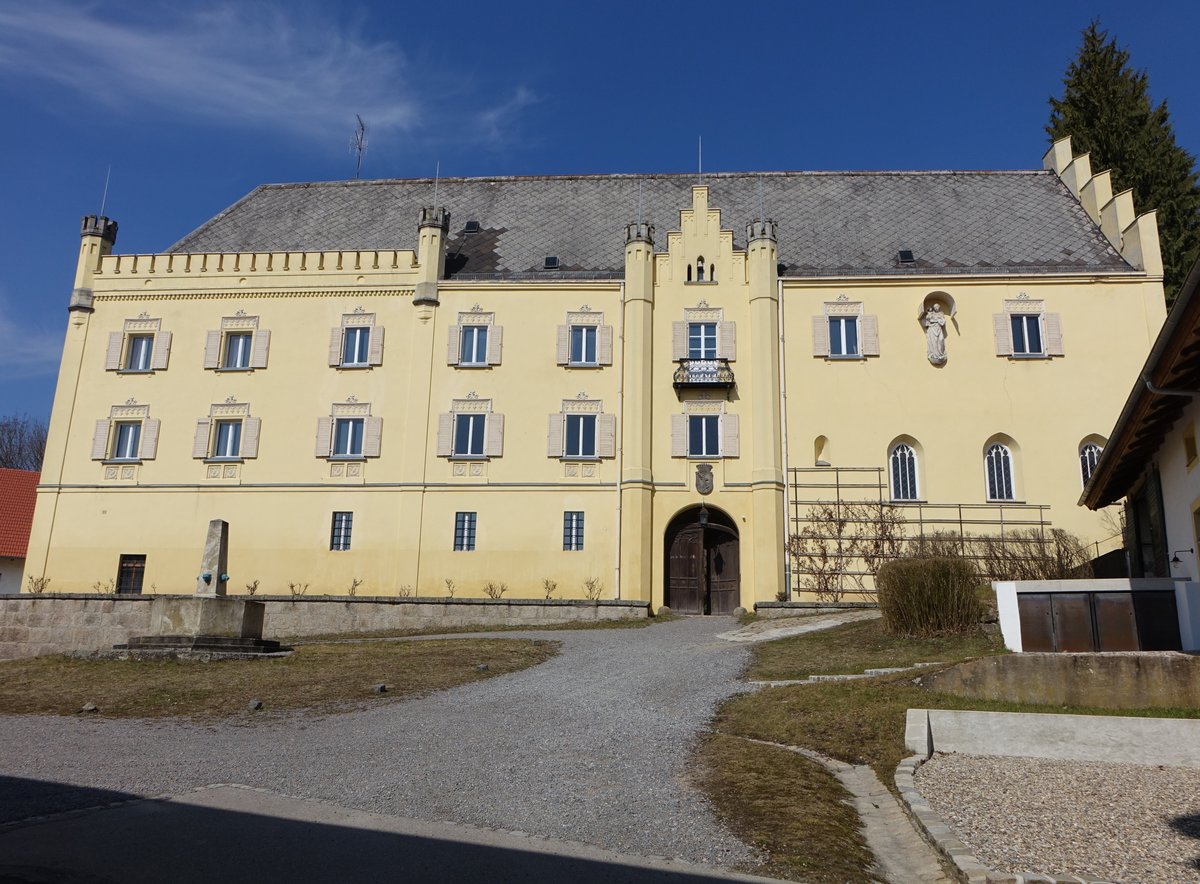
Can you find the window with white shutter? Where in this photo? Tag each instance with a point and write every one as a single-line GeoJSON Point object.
{"type": "Point", "coordinates": [142, 347]}
{"type": "Point", "coordinates": [475, 341]}
{"type": "Point", "coordinates": [470, 431]}
{"type": "Point", "coordinates": [705, 431]}
{"type": "Point", "coordinates": [581, 431]}
{"type": "Point", "coordinates": [228, 433]}
{"type": "Point", "coordinates": [238, 345]}
{"type": "Point", "coordinates": [844, 331]}
{"type": "Point", "coordinates": [350, 432]}
{"type": "Point", "coordinates": [128, 435]}
{"type": "Point", "coordinates": [357, 342]}
{"type": "Point", "coordinates": [584, 341]}
{"type": "Point", "coordinates": [1026, 331]}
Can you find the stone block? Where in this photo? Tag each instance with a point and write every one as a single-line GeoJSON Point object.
{"type": "Point", "coordinates": [194, 615]}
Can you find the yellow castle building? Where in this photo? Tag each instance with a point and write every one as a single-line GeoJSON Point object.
{"type": "Point", "coordinates": [631, 386]}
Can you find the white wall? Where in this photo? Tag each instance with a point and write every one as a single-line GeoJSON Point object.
{"type": "Point", "coordinates": [1181, 493]}
{"type": "Point", "coordinates": [10, 575]}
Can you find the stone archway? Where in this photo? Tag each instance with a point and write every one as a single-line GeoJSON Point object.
{"type": "Point", "coordinates": [702, 555]}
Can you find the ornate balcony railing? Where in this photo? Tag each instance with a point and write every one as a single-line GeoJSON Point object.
{"type": "Point", "coordinates": [704, 373]}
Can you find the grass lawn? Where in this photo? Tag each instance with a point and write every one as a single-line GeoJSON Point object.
{"type": "Point", "coordinates": [859, 722]}
{"type": "Point", "coordinates": [322, 678]}
{"type": "Point", "coordinates": [787, 806]}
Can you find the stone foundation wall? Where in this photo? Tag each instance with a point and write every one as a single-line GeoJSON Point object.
{"type": "Point", "coordinates": [799, 609]}
{"type": "Point", "coordinates": [49, 623]}
{"type": "Point", "coordinates": [1126, 680]}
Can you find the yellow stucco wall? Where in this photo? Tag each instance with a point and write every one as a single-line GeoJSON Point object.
{"type": "Point", "coordinates": [279, 503]}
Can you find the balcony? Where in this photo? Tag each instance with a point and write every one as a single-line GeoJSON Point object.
{"type": "Point", "coordinates": [704, 373]}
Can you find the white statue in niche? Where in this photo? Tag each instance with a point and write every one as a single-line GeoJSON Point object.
{"type": "Point", "coordinates": [934, 322]}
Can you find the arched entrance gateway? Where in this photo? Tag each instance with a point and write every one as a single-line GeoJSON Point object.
{"type": "Point", "coordinates": [703, 563]}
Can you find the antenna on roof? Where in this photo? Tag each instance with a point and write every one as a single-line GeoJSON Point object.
{"type": "Point", "coordinates": [437, 174]}
{"type": "Point", "coordinates": [762, 204]}
{"type": "Point", "coordinates": [639, 203]}
{"type": "Point", "coordinates": [700, 159]}
{"type": "Point", "coordinates": [358, 144]}
{"type": "Point", "coordinates": [104, 199]}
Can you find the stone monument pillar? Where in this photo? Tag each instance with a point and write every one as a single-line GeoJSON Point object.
{"type": "Point", "coordinates": [214, 564]}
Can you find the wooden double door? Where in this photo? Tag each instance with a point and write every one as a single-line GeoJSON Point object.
{"type": "Point", "coordinates": [703, 565]}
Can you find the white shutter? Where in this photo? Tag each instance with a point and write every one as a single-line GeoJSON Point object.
{"type": "Point", "coordinates": [727, 340]}
{"type": "Point", "coordinates": [212, 349]}
{"type": "Point", "coordinates": [606, 435]}
{"type": "Point", "coordinates": [678, 340]}
{"type": "Point", "coordinates": [100, 439]}
{"type": "Point", "coordinates": [554, 436]}
{"type": "Point", "coordinates": [731, 443]}
{"type": "Point", "coordinates": [112, 359]}
{"type": "Point", "coordinates": [160, 355]}
{"type": "Point", "coordinates": [200, 440]}
{"type": "Point", "coordinates": [372, 435]}
{"type": "Point", "coordinates": [679, 435]}
{"type": "Point", "coordinates": [604, 345]}
{"type": "Point", "coordinates": [870, 335]}
{"type": "Point", "coordinates": [495, 345]}
{"type": "Point", "coordinates": [149, 440]}
{"type": "Point", "coordinates": [495, 435]}
{"type": "Point", "coordinates": [563, 345]}
{"type": "Point", "coordinates": [454, 348]}
{"type": "Point", "coordinates": [335, 346]}
{"type": "Point", "coordinates": [259, 347]}
{"type": "Point", "coordinates": [1002, 329]}
{"type": "Point", "coordinates": [1054, 338]}
{"type": "Point", "coordinates": [251, 428]}
{"type": "Point", "coordinates": [324, 441]}
{"type": "Point", "coordinates": [375, 346]}
{"type": "Point", "coordinates": [445, 435]}
{"type": "Point", "coordinates": [820, 325]}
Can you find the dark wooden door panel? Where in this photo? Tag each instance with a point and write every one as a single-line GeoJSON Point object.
{"type": "Point", "coordinates": [1157, 620]}
{"type": "Point", "coordinates": [1037, 622]}
{"type": "Point", "coordinates": [685, 573]}
{"type": "Point", "coordinates": [724, 572]}
{"type": "Point", "coordinates": [1115, 626]}
{"type": "Point", "coordinates": [1073, 622]}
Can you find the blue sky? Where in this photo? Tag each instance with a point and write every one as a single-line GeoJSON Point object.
{"type": "Point", "coordinates": [193, 104]}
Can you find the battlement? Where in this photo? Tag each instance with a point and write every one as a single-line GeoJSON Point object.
{"type": "Point", "coordinates": [98, 225]}
{"type": "Point", "coordinates": [257, 263]}
{"type": "Point", "coordinates": [1134, 236]}
{"type": "Point", "coordinates": [639, 231]}
{"type": "Point", "coordinates": [764, 229]}
{"type": "Point", "coordinates": [434, 216]}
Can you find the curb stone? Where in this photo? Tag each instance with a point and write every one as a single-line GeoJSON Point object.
{"type": "Point", "coordinates": [939, 833]}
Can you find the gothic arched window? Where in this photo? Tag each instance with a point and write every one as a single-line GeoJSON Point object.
{"type": "Point", "coordinates": [998, 466]}
{"type": "Point", "coordinates": [700, 269]}
{"type": "Point", "coordinates": [904, 472]}
{"type": "Point", "coordinates": [1089, 454]}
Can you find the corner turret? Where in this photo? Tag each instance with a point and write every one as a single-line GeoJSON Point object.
{"type": "Point", "coordinates": [98, 234]}
{"type": "Point", "coordinates": [432, 225]}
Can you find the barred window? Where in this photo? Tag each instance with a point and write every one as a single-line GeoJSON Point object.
{"type": "Point", "coordinates": [904, 473]}
{"type": "Point", "coordinates": [464, 532]}
{"type": "Point", "coordinates": [572, 531]}
{"type": "Point", "coordinates": [339, 535]}
{"type": "Point", "coordinates": [998, 465]}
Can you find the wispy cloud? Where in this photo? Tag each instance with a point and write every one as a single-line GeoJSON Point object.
{"type": "Point", "coordinates": [497, 125]}
{"type": "Point", "coordinates": [262, 66]}
{"type": "Point", "coordinates": [26, 351]}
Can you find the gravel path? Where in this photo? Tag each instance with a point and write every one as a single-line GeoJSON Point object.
{"type": "Point", "coordinates": [1113, 822]}
{"type": "Point", "coordinates": [590, 746]}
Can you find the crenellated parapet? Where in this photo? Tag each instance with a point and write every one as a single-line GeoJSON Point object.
{"type": "Point", "coordinates": [763, 229]}
{"type": "Point", "coordinates": [98, 225]}
{"type": "Point", "coordinates": [434, 216]}
{"type": "Point", "coordinates": [639, 231]}
{"type": "Point", "coordinates": [191, 264]}
{"type": "Point", "coordinates": [1134, 236]}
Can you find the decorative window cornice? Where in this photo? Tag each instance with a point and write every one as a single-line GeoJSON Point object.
{"type": "Point", "coordinates": [471, 406]}
{"type": "Point", "coordinates": [239, 322]}
{"type": "Point", "coordinates": [703, 314]}
{"type": "Point", "coordinates": [1024, 305]}
{"type": "Point", "coordinates": [585, 317]}
{"type": "Point", "coordinates": [704, 408]}
{"type": "Point", "coordinates": [582, 406]}
{"type": "Point", "coordinates": [358, 319]}
{"type": "Point", "coordinates": [350, 409]}
{"type": "Point", "coordinates": [843, 307]}
{"type": "Point", "coordinates": [129, 412]}
{"type": "Point", "coordinates": [142, 324]}
{"type": "Point", "coordinates": [229, 409]}
{"type": "Point", "coordinates": [476, 317]}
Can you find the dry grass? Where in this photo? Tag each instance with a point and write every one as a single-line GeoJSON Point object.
{"type": "Point", "coordinates": [789, 807]}
{"type": "Point", "coordinates": [465, 630]}
{"type": "Point", "coordinates": [321, 678]}
{"type": "Point", "coordinates": [855, 647]}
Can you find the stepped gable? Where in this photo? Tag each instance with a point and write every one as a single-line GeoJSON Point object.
{"type": "Point", "coordinates": [830, 223]}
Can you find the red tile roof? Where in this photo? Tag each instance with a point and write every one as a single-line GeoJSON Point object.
{"type": "Point", "coordinates": [18, 488]}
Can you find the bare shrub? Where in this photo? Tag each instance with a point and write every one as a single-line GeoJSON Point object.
{"type": "Point", "coordinates": [252, 587]}
{"type": "Point", "coordinates": [929, 596]}
{"type": "Point", "coordinates": [450, 587]}
{"type": "Point", "coordinates": [592, 587]}
{"type": "Point", "coordinates": [355, 583]}
{"type": "Point", "coordinates": [297, 589]}
{"type": "Point", "coordinates": [549, 586]}
{"type": "Point", "coordinates": [405, 591]}
{"type": "Point", "coordinates": [842, 544]}
{"type": "Point", "coordinates": [1021, 554]}
{"type": "Point", "coordinates": [38, 584]}
{"type": "Point", "coordinates": [101, 586]}
{"type": "Point", "coordinates": [22, 442]}
{"type": "Point", "coordinates": [494, 590]}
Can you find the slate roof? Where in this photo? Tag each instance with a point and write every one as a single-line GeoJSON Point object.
{"type": "Point", "coordinates": [18, 489]}
{"type": "Point", "coordinates": [829, 223]}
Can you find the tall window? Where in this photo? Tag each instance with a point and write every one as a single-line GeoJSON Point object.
{"type": "Point", "coordinates": [473, 349]}
{"type": "Point", "coordinates": [464, 532]}
{"type": "Point", "coordinates": [580, 436]}
{"type": "Point", "coordinates": [469, 434]}
{"type": "Point", "coordinates": [125, 440]}
{"type": "Point", "coordinates": [228, 439]}
{"type": "Point", "coordinates": [356, 344]}
{"type": "Point", "coordinates": [140, 347]}
{"type": "Point", "coordinates": [702, 340]}
{"type": "Point", "coordinates": [704, 435]}
{"type": "Point", "coordinates": [339, 534]}
{"type": "Point", "coordinates": [904, 473]}
{"type": "Point", "coordinates": [572, 531]}
{"type": "Point", "coordinates": [843, 336]}
{"type": "Point", "coordinates": [583, 345]}
{"type": "Point", "coordinates": [1027, 334]}
{"type": "Point", "coordinates": [998, 466]}
{"type": "Point", "coordinates": [1089, 455]}
{"type": "Point", "coordinates": [237, 350]}
{"type": "Point", "coordinates": [348, 437]}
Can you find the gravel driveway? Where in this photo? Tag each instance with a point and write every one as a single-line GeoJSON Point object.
{"type": "Point", "coordinates": [590, 746]}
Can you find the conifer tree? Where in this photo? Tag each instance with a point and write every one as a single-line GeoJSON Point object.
{"type": "Point", "coordinates": [1107, 111]}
